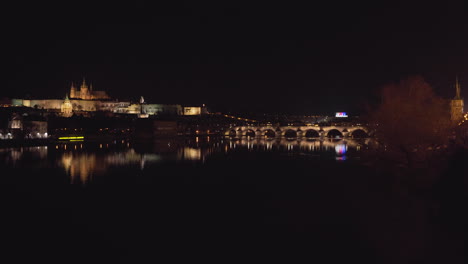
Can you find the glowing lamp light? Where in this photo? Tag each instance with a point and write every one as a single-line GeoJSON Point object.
{"type": "Point", "coordinates": [341, 114]}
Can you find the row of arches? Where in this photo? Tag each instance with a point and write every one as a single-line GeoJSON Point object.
{"type": "Point", "coordinates": [291, 133]}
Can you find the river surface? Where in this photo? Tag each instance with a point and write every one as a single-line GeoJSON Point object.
{"type": "Point", "coordinates": [207, 199]}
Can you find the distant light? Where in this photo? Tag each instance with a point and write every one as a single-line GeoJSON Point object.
{"type": "Point", "coordinates": [341, 114]}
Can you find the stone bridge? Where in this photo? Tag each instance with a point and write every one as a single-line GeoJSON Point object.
{"type": "Point", "coordinates": [298, 131]}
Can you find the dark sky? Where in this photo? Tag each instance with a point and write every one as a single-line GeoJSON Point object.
{"type": "Point", "coordinates": [237, 56]}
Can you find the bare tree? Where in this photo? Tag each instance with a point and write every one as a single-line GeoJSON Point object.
{"type": "Point", "coordinates": [411, 122]}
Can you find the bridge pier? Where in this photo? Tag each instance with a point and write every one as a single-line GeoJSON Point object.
{"type": "Point", "coordinates": [300, 133]}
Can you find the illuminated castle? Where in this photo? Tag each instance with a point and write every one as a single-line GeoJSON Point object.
{"type": "Point", "coordinates": [85, 101]}
{"type": "Point", "coordinates": [87, 93]}
{"type": "Point", "coordinates": [456, 105]}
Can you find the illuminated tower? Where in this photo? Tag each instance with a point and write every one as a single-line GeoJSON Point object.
{"type": "Point", "coordinates": [66, 107]}
{"type": "Point", "coordinates": [84, 92]}
{"type": "Point", "coordinates": [456, 105]}
{"type": "Point", "coordinates": [73, 91]}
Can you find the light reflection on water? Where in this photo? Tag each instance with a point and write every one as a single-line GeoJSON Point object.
{"type": "Point", "coordinates": [14, 155]}
{"type": "Point", "coordinates": [83, 161]}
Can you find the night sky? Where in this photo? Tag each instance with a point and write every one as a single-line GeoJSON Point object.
{"type": "Point", "coordinates": [234, 56]}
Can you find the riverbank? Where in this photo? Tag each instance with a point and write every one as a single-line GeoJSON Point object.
{"type": "Point", "coordinates": [11, 143]}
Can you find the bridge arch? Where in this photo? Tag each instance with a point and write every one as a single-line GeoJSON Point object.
{"type": "Point", "coordinates": [269, 133]}
{"type": "Point", "coordinates": [290, 133]}
{"type": "Point", "coordinates": [249, 133]}
{"type": "Point", "coordinates": [311, 133]}
{"type": "Point", "coordinates": [359, 133]}
{"type": "Point", "coordinates": [334, 133]}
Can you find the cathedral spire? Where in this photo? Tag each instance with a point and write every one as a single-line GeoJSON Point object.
{"type": "Point", "coordinates": [457, 89]}
{"type": "Point", "coordinates": [73, 90]}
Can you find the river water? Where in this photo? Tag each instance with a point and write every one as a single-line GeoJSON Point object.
{"type": "Point", "coordinates": [207, 199]}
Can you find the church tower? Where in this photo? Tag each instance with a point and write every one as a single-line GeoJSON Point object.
{"type": "Point", "coordinates": [456, 105]}
{"type": "Point", "coordinates": [84, 90]}
{"type": "Point", "coordinates": [73, 91]}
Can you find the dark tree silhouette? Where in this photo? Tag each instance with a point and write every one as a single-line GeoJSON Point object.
{"type": "Point", "coordinates": [411, 122]}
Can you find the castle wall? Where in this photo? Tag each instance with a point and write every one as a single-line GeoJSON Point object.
{"type": "Point", "coordinates": [85, 105]}
{"type": "Point", "coordinates": [43, 103]}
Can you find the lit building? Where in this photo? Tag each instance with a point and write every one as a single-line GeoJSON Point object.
{"type": "Point", "coordinates": [192, 110]}
{"type": "Point", "coordinates": [161, 109]}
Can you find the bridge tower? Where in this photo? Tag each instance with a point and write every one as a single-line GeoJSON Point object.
{"type": "Point", "coordinates": [456, 105]}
